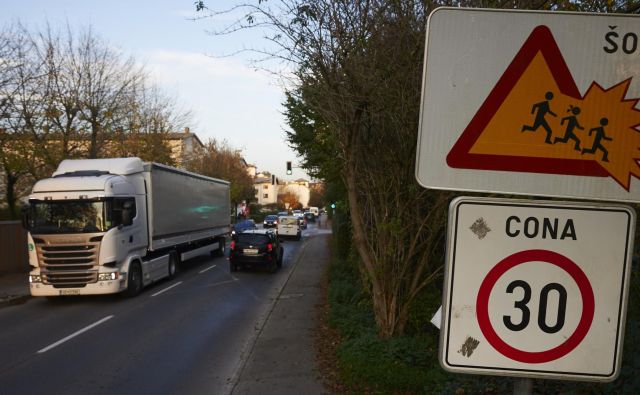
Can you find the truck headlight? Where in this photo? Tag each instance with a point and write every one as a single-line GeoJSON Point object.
{"type": "Point", "coordinates": [35, 278]}
{"type": "Point", "coordinates": [107, 276]}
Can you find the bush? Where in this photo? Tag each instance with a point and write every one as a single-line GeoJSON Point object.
{"type": "Point", "coordinates": [341, 228]}
{"type": "Point", "coordinates": [367, 362]}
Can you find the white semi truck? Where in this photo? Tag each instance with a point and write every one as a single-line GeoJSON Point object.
{"type": "Point", "coordinates": [102, 226]}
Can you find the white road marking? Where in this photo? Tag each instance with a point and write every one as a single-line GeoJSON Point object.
{"type": "Point", "coordinates": [166, 289]}
{"type": "Point", "coordinates": [86, 328]}
{"type": "Point", "coordinates": [204, 270]}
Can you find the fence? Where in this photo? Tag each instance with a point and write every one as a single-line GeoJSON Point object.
{"type": "Point", "coordinates": [13, 248]}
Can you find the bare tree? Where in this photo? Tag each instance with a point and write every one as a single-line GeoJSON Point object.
{"type": "Point", "coordinates": [66, 95]}
{"type": "Point", "coordinates": [148, 121]}
{"type": "Point", "coordinates": [21, 137]}
{"type": "Point", "coordinates": [61, 91]}
{"type": "Point", "coordinates": [358, 72]}
{"type": "Point", "coordinates": [107, 82]}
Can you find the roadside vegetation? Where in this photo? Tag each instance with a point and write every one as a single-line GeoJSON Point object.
{"type": "Point", "coordinates": [354, 73]}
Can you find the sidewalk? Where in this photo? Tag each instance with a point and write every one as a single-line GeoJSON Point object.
{"type": "Point", "coordinates": [282, 360]}
{"type": "Point", "coordinates": [14, 288]}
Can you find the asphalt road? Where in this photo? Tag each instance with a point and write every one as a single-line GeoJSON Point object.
{"type": "Point", "coordinates": [187, 335]}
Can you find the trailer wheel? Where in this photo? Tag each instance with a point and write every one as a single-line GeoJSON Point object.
{"type": "Point", "coordinates": [173, 265]}
{"type": "Point", "coordinates": [222, 243]}
{"type": "Point", "coordinates": [134, 282]}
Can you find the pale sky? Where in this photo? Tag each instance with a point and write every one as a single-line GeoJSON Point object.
{"type": "Point", "coordinates": [229, 100]}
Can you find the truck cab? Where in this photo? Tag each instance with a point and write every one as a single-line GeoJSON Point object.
{"type": "Point", "coordinates": [85, 226]}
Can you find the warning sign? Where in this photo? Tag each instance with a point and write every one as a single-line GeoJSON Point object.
{"type": "Point", "coordinates": [536, 120]}
{"type": "Point", "coordinates": [540, 107]}
{"type": "Point", "coordinates": [536, 289]}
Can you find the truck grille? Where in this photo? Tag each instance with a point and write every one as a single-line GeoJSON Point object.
{"type": "Point", "coordinates": [68, 262]}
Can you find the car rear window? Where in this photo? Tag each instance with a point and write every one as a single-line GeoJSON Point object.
{"type": "Point", "coordinates": [288, 221]}
{"type": "Point", "coordinates": [252, 238]}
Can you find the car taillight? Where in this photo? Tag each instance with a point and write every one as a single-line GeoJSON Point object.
{"type": "Point", "coordinates": [269, 247]}
{"type": "Point", "coordinates": [233, 245]}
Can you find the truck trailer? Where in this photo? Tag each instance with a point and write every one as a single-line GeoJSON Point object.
{"type": "Point", "coordinates": [103, 226]}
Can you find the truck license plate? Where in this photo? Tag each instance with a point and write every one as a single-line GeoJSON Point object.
{"type": "Point", "coordinates": [250, 251]}
{"type": "Point", "coordinates": [64, 292]}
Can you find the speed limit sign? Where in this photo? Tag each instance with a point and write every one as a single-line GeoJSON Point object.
{"type": "Point", "coordinates": [536, 288]}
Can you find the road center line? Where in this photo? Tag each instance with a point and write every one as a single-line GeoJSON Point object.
{"type": "Point", "coordinates": [204, 270]}
{"type": "Point", "coordinates": [86, 328]}
{"type": "Point", "coordinates": [166, 289]}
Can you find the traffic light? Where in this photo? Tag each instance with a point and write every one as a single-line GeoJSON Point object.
{"type": "Point", "coordinates": [289, 171]}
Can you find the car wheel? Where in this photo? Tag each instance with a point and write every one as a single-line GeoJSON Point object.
{"type": "Point", "coordinates": [134, 280]}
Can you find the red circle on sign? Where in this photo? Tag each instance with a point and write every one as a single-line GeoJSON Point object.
{"type": "Point", "coordinates": [586, 292]}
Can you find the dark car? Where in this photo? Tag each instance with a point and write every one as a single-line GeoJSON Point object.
{"type": "Point", "coordinates": [309, 216]}
{"type": "Point", "coordinates": [270, 221]}
{"type": "Point", "coordinates": [256, 248]}
{"type": "Point", "coordinates": [242, 226]}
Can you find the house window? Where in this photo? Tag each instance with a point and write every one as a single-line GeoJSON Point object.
{"type": "Point", "coordinates": [265, 196]}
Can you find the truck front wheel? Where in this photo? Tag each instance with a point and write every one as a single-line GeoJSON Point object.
{"type": "Point", "coordinates": [134, 282]}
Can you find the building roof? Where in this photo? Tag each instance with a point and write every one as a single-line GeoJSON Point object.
{"type": "Point", "coordinates": [183, 136]}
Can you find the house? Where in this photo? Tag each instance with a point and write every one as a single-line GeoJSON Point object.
{"type": "Point", "coordinates": [267, 188]}
{"type": "Point", "coordinates": [183, 145]}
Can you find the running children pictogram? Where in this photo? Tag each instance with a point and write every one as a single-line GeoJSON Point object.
{"type": "Point", "coordinates": [536, 120]}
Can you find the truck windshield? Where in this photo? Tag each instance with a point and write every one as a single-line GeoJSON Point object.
{"type": "Point", "coordinates": [76, 216]}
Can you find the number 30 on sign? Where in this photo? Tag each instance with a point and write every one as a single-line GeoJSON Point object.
{"type": "Point", "coordinates": [536, 289]}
